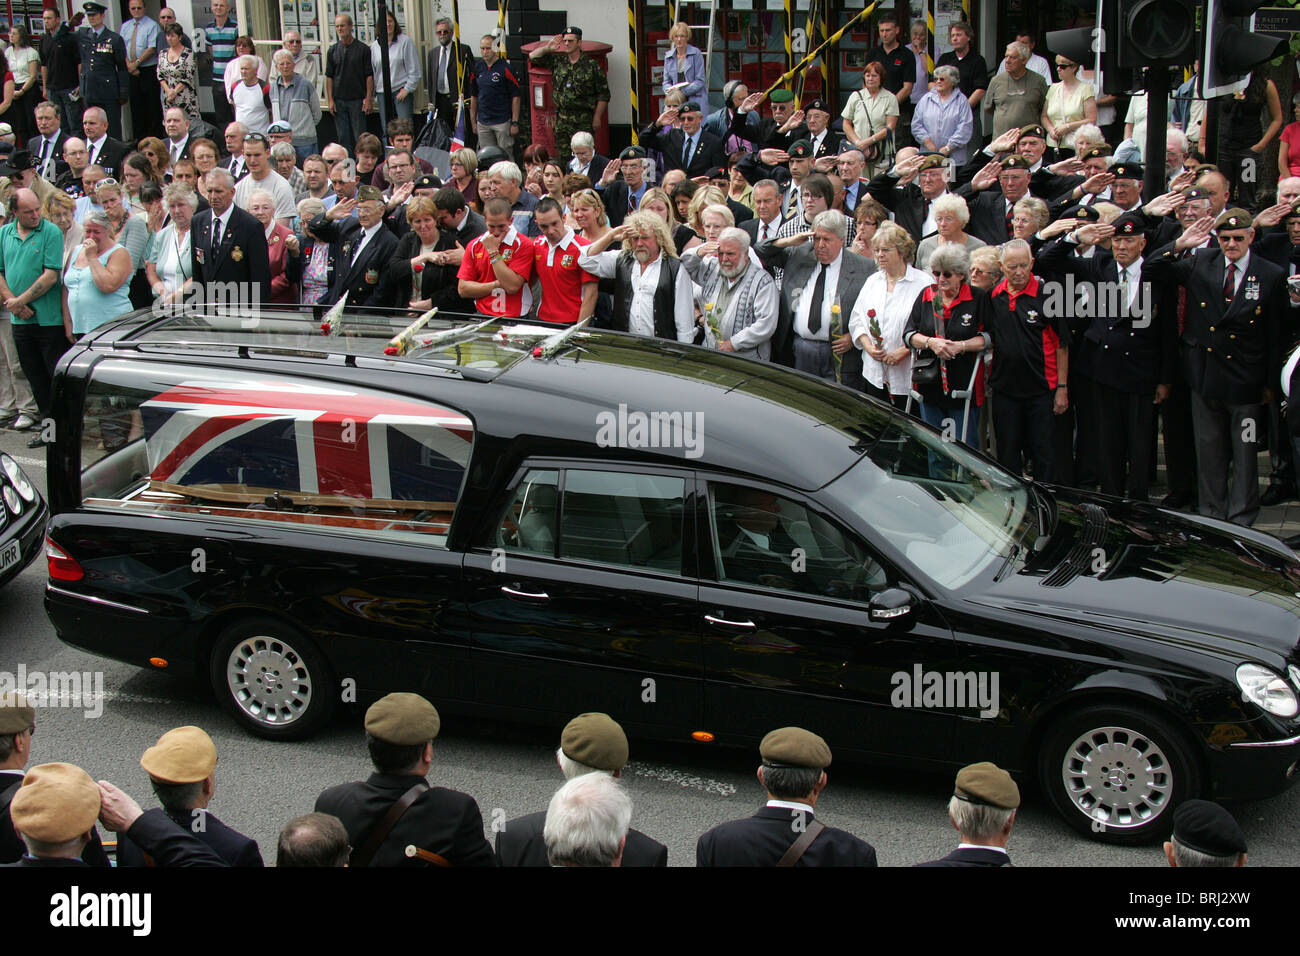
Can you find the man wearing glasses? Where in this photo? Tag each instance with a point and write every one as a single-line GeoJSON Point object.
{"type": "Point", "coordinates": [446, 86]}
{"type": "Point", "coordinates": [1232, 354]}
{"type": "Point", "coordinates": [306, 65]}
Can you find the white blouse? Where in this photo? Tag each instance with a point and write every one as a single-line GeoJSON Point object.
{"type": "Point", "coordinates": [892, 310]}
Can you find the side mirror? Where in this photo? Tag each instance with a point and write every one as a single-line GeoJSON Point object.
{"type": "Point", "coordinates": [891, 604]}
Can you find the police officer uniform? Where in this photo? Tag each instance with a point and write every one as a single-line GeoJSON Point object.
{"type": "Point", "coordinates": [1231, 353]}
{"type": "Point", "coordinates": [767, 838]}
{"type": "Point", "coordinates": [595, 741]}
{"type": "Point", "coordinates": [105, 80]}
{"type": "Point", "coordinates": [981, 784]}
{"type": "Point", "coordinates": [188, 755]}
{"type": "Point", "coordinates": [440, 821]}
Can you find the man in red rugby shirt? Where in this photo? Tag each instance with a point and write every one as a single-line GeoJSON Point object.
{"type": "Point", "coordinates": [497, 266]}
{"type": "Point", "coordinates": [568, 292]}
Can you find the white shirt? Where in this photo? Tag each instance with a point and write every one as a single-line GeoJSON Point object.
{"type": "Point", "coordinates": [817, 141]}
{"type": "Point", "coordinates": [1132, 278]}
{"type": "Point", "coordinates": [366, 236]}
{"type": "Point", "coordinates": [224, 219]}
{"type": "Point", "coordinates": [772, 226]}
{"type": "Point", "coordinates": [641, 314]}
{"type": "Point", "coordinates": [830, 294]}
{"type": "Point", "coordinates": [892, 312]}
{"type": "Point", "coordinates": [175, 148]}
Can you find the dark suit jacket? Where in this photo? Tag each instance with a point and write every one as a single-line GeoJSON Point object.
{"type": "Point", "coordinates": [167, 843]}
{"type": "Point", "coordinates": [466, 80]}
{"type": "Point", "coordinates": [596, 168]}
{"type": "Point", "coordinates": [971, 856]}
{"type": "Point", "coordinates": [521, 844]}
{"type": "Point", "coordinates": [1233, 351]}
{"type": "Point", "coordinates": [798, 263]}
{"type": "Point", "coordinates": [437, 283]}
{"type": "Point", "coordinates": [233, 847]}
{"type": "Point", "coordinates": [907, 203]}
{"type": "Point", "coordinates": [473, 227]}
{"type": "Point", "coordinates": [829, 146]}
{"type": "Point", "coordinates": [988, 218]}
{"type": "Point", "coordinates": [443, 821]}
{"type": "Point", "coordinates": [615, 197]}
{"type": "Point", "coordinates": [111, 155]}
{"type": "Point", "coordinates": [753, 224]}
{"type": "Point", "coordinates": [243, 256]}
{"type": "Point", "coordinates": [709, 153]}
{"type": "Point", "coordinates": [359, 279]}
{"type": "Point", "coordinates": [58, 167]}
{"type": "Point", "coordinates": [761, 840]}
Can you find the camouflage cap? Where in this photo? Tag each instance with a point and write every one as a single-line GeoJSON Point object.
{"type": "Point", "coordinates": [988, 785]}
{"type": "Point", "coordinates": [1208, 828]}
{"type": "Point", "coordinates": [595, 740]}
{"type": "Point", "coordinates": [403, 719]}
{"type": "Point", "coordinates": [56, 802]}
{"type": "Point", "coordinates": [16, 714]}
{"type": "Point", "coordinates": [794, 747]}
{"type": "Point", "coordinates": [183, 755]}
{"type": "Point", "coordinates": [1235, 218]}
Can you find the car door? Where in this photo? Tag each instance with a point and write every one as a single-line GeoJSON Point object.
{"type": "Point", "coordinates": [582, 596]}
{"type": "Point", "coordinates": [789, 637]}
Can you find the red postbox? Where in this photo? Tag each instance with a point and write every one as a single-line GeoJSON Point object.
{"type": "Point", "coordinates": [543, 104]}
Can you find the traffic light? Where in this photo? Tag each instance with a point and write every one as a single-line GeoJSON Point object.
{"type": "Point", "coordinates": [1094, 48]}
{"type": "Point", "coordinates": [1231, 50]}
{"type": "Point", "coordinates": [1156, 33]}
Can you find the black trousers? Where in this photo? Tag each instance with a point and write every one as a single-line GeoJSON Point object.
{"type": "Point", "coordinates": [1127, 423]}
{"type": "Point", "coordinates": [39, 348]}
{"type": "Point", "coordinates": [1279, 445]}
{"type": "Point", "coordinates": [1024, 427]}
{"type": "Point", "coordinates": [146, 103]}
{"type": "Point", "coordinates": [1180, 441]}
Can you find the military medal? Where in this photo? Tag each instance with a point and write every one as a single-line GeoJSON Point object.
{"type": "Point", "coordinates": [237, 254]}
{"type": "Point", "coordinates": [1252, 287]}
{"type": "Point", "coordinates": [372, 276]}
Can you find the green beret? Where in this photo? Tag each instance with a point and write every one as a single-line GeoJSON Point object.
{"type": "Point", "coordinates": [369, 194]}
{"type": "Point", "coordinates": [16, 715]}
{"type": "Point", "coordinates": [56, 802]}
{"type": "Point", "coordinates": [782, 96]}
{"type": "Point", "coordinates": [795, 747]}
{"type": "Point", "coordinates": [987, 785]}
{"type": "Point", "coordinates": [595, 740]}
{"type": "Point", "coordinates": [1235, 218]}
{"type": "Point", "coordinates": [1015, 161]}
{"type": "Point", "coordinates": [800, 149]}
{"type": "Point", "coordinates": [403, 720]}
{"type": "Point", "coordinates": [1208, 828]}
{"type": "Point", "coordinates": [934, 161]}
{"type": "Point", "coordinates": [1033, 129]}
{"type": "Point", "coordinates": [183, 755]}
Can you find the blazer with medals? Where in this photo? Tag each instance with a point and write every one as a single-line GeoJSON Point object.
{"type": "Point", "coordinates": [761, 840]}
{"type": "Point", "coordinates": [112, 153]}
{"type": "Point", "coordinates": [671, 142]}
{"type": "Point", "coordinates": [798, 263]}
{"type": "Point", "coordinates": [359, 278]}
{"type": "Point", "coordinates": [241, 257]}
{"type": "Point", "coordinates": [521, 843]}
{"type": "Point", "coordinates": [1232, 350]}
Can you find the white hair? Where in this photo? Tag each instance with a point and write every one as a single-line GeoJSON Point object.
{"type": "Point", "coordinates": [587, 821]}
{"type": "Point", "coordinates": [732, 234]}
{"type": "Point", "coordinates": [976, 820]}
{"type": "Point", "coordinates": [279, 55]}
{"type": "Point", "coordinates": [951, 72]}
{"type": "Point", "coordinates": [506, 170]}
{"type": "Point", "coordinates": [248, 60]}
{"type": "Point", "coordinates": [572, 768]}
{"type": "Point", "coordinates": [1015, 245]}
{"type": "Point", "coordinates": [1175, 137]}
{"type": "Point", "coordinates": [583, 140]}
{"type": "Point", "coordinates": [832, 220]}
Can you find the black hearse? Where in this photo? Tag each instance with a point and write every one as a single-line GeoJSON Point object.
{"type": "Point", "coordinates": [531, 525]}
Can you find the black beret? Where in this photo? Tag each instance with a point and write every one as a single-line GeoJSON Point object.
{"type": "Point", "coordinates": [1130, 224]}
{"type": "Point", "coordinates": [717, 172]}
{"type": "Point", "coordinates": [1127, 171]}
{"type": "Point", "coordinates": [1081, 211]}
{"type": "Point", "coordinates": [689, 107]}
{"type": "Point", "coordinates": [633, 152]}
{"type": "Point", "coordinates": [1208, 828]}
{"type": "Point", "coordinates": [428, 182]}
{"type": "Point", "coordinates": [572, 31]}
{"type": "Point", "coordinates": [817, 104]}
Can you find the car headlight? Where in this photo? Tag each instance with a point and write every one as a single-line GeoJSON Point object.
{"type": "Point", "coordinates": [1268, 690]}
{"type": "Point", "coordinates": [1295, 675]}
{"type": "Point", "coordinates": [18, 477]}
{"type": "Point", "coordinates": [12, 499]}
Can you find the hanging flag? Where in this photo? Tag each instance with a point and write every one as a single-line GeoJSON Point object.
{"type": "Point", "coordinates": [458, 137]}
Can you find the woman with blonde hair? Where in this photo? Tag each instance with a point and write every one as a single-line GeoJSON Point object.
{"type": "Point", "coordinates": [704, 196]}
{"type": "Point", "coordinates": [589, 214]}
{"type": "Point", "coordinates": [881, 313]}
{"type": "Point", "coordinates": [464, 174]}
{"type": "Point", "coordinates": [684, 65]}
{"type": "Point", "coordinates": [657, 201]}
{"type": "Point", "coordinates": [60, 209]}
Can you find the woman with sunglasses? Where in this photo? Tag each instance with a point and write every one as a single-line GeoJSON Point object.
{"type": "Point", "coordinates": [946, 332]}
{"type": "Point", "coordinates": [1071, 103]}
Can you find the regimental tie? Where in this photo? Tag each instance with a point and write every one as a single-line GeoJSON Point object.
{"type": "Point", "coordinates": [818, 295]}
{"type": "Point", "coordinates": [1230, 282]}
{"type": "Point", "coordinates": [1010, 231]}
{"type": "Point", "coordinates": [216, 234]}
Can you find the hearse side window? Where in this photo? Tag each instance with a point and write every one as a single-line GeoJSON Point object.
{"type": "Point", "coordinates": [615, 517]}
{"type": "Point", "coordinates": [266, 447]}
{"type": "Point", "coordinates": [765, 539]}
{"type": "Point", "coordinates": [531, 520]}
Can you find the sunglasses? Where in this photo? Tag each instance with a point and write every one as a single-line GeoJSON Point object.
{"type": "Point", "coordinates": [1224, 240]}
{"type": "Point", "coordinates": [1065, 66]}
{"type": "Point", "coordinates": [107, 181]}
{"type": "Point", "coordinates": [256, 138]}
{"type": "Point", "coordinates": [943, 275]}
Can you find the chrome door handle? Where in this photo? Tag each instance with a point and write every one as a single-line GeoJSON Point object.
{"type": "Point", "coordinates": [541, 596]}
{"type": "Point", "coordinates": [722, 620]}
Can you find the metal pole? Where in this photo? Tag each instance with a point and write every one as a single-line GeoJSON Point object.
{"type": "Point", "coordinates": [1157, 87]}
{"type": "Point", "coordinates": [631, 60]}
{"type": "Point", "coordinates": [789, 38]}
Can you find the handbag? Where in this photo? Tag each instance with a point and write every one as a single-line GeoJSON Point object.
{"type": "Point", "coordinates": [925, 364]}
{"type": "Point", "coordinates": [883, 151]}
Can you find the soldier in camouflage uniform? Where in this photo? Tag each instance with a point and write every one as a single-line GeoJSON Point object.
{"type": "Point", "coordinates": [580, 90]}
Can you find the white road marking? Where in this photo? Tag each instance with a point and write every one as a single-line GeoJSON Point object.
{"type": "Point", "coordinates": [681, 778]}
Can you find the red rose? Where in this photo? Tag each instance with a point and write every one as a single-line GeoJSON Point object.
{"type": "Point", "coordinates": [418, 267]}
{"type": "Point", "coordinates": [871, 313]}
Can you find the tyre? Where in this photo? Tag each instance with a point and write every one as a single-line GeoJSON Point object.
{"type": "Point", "coordinates": [272, 679]}
{"type": "Point", "coordinates": [1117, 773]}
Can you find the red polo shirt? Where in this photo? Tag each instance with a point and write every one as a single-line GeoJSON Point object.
{"type": "Point", "coordinates": [562, 280]}
{"type": "Point", "coordinates": [518, 252]}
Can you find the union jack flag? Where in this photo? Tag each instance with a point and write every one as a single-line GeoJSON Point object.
{"type": "Point", "coordinates": [458, 137]}
{"type": "Point", "coordinates": [248, 438]}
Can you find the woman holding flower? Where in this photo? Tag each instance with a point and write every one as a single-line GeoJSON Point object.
{"type": "Point", "coordinates": [881, 313]}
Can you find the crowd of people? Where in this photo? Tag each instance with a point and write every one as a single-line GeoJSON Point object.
{"type": "Point", "coordinates": [48, 813]}
{"type": "Point", "coordinates": [1011, 288]}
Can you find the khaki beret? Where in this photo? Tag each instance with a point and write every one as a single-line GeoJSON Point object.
{"type": "Point", "coordinates": [988, 785]}
{"type": "Point", "coordinates": [1208, 828]}
{"type": "Point", "coordinates": [1015, 161]}
{"type": "Point", "coordinates": [1235, 218]}
{"type": "Point", "coordinates": [403, 719]}
{"type": "Point", "coordinates": [57, 802]}
{"type": "Point", "coordinates": [369, 194]}
{"type": "Point", "coordinates": [595, 740]}
{"type": "Point", "coordinates": [183, 755]}
{"type": "Point", "coordinates": [1092, 152]}
{"type": "Point", "coordinates": [1033, 129]}
{"type": "Point", "coordinates": [934, 161]}
{"type": "Point", "coordinates": [795, 747]}
{"type": "Point", "coordinates": [16, 715]}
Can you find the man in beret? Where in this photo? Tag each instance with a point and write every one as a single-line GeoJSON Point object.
{"type": "Point", "coordinates": [1231, 352]}
{"type": "Point", "coordinates": [55, 811]}
{"type": "Point", "coordinates": [361, 249]}
{"type": "Point", "coordinates": [990, 208]}
{"type": "Point", "coordinates": [590, 743]}
{"type": "Point", "coordinates": [801, 166]}
{"type": "Point", "coordinates": [786, 832]}
{"type": "Point", "coordinates": [1095, 186]}
{"type": "Point", "coordinates": [913, 203]}
{"type": "Point", "coordinates": [182, 769]}
{"type": "Point", "coordinates": [824, 142]}
{"type": "Point", "coordinates": [1205, 834]}
{"type": "Point", "coordinates": [778, 131]}
{"type": "Point", "coordinates": [396, 807]}
{"type": "Point", "coordinates": [690, 148]}
{"type": "Point", "coordinates": [983, 811]}
{"type": "Point", "coordinates": [622, 184]}
{"type": "Point", "coordinates": [578, 85]}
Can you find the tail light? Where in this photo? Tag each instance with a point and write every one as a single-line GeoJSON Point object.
{"type": "Point", "coordinates": [63, 567]}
